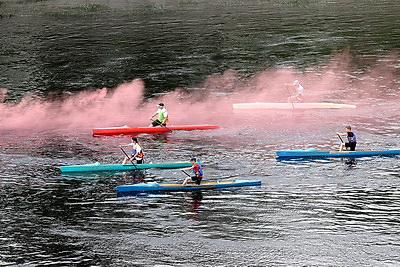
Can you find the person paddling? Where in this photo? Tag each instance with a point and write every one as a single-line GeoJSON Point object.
{"type": "Point", "coordinates": [137, 152]}
{"type": "Point", "coordinates": [197, 171]}
{"type": "Point", "coordinates": [162, 116]}
{"type": "Point", "coordinates": [351, 140]}
{"type": "Point", "coordinates": [299, 96]}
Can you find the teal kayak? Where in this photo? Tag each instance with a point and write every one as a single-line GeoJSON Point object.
{"type": "Point", "coordinates": [154, 186]}
{"type": "Point", "coordinates": [97, 167]}
{"type": "Point", "coordinates": [338, 154]}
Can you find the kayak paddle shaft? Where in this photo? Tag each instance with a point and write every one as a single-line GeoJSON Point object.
{"type": "Point", "coordinates": [340, 138]}
{"type": "Point", "coordinates": [162, 125]}
{"type": "Point", "coordinates": [128, 157]}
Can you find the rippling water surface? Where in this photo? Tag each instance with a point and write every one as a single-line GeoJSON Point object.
{"type": "Point", "coordinates": [58, 46]}
{"type": "Point", "coordinates": [321, 212]}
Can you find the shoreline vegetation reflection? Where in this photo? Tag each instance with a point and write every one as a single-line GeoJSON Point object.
{"type": "Point", "coordinates": [56, 47]}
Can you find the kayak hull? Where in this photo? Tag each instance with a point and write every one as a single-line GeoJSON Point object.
{"type": "Point", "coordinates": [149, 130]}
{"type": "Point", "coordinates": [338, 154]}
{"type": "Point", "coordinates": [97, 167]}
{"type": "Point", "coordinates": [156, 187]}
{"type": "Point", "coordinates": [260, 105]}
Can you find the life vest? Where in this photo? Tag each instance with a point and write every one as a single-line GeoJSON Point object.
{"type": "Point", "coordinates": [134, 150]}
{"type": "Point", "coordinates": [198, 170]}
{"type": "Point", "coordinates": [351, 137]}
{"type": "Point", "coordinates": [162, 115]}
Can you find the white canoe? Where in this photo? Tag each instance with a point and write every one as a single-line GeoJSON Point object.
{"type": "Point", "coordinates": [260, 105]}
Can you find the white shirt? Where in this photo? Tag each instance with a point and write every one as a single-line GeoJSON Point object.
{"type": "Point", "coordinates": [136, 146]}
{"type": "Point", "coordinates": [299, 89]}
{"type": "Point", "coordinates": [163, 110]}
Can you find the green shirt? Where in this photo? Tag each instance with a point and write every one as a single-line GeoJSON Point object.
{"type": "Point", "coordinates": [162, 114]}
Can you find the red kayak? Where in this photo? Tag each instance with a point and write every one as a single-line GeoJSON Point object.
{"type": "Point", "coordinates": [157, 129]}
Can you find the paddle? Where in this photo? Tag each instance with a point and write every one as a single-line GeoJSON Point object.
{"type": "Point", "coordinates": [162, 125]}
{"type": "Point", "coordinates": [185, 173]}
{"type": "Point", "coordinates": [131, 160]}
{"type": "Point", "coordinates": [290, 96]}
{"type": "Point", "coordinates": [340, 138]}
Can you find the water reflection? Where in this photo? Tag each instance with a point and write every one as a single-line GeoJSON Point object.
{"type": "Point", "coordinates": [193, 203]}
{"type": "Point", "coordinates": [134, 177]}
{"type": "Point", "coordinates": [350, 161]}
{"type": "Point", "coordinates": [184, 51]}
{"type": "Point", "coordinates": [190, 203]}
{"type": "Point", "coordinates": [159, 137]}
{"type": "Point", "coordinates": [296, 161]}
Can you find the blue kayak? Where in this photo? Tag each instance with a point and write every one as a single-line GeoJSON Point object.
{"type": "Point", "coordinates": [154, 186]}
{"type": "Point", "coordinates": [338, 154]}
{"type": "Point", "coordinates": [97, 167]}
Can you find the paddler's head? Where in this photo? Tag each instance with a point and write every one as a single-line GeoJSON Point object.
{"type": "Point", "coordinates": [160, 105]}
{"type": "Point", "coordinates": [348, 128]}
{"type": "Point", "coordinates": [193, 160]}
{"type": "Point", "coordinates": [134, 139]}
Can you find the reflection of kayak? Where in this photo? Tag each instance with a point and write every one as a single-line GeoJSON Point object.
{"type": "Point", "coordinates": [326, 153]}
{"type": "Point", "coordinates": [158, 129]}
{"type": "Point", "coordinates": [154, 186]}
{"type": "Point", "coordinates": [259, 105]}
{"type": "Point", "coordinates": [119, 167]}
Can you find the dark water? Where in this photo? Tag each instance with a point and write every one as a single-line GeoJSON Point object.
{"type": "Point", "coordinates": [325, 212]}
{"type": "Point", "coordinates": [56, 46]}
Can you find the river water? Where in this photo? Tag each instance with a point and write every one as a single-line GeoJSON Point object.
{"type": "Point", "coordinates": [322, 212]}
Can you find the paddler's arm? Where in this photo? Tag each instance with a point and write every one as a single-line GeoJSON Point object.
{"type": "Point", "coordinates": [152, 116]}
{"type": "Point", "coordinates": [188, 168]}
{"type": "Point", "coordinates": [124, 145]}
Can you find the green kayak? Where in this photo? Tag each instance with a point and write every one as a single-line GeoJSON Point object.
{"type": "Point", "coordinates": [97, 167]}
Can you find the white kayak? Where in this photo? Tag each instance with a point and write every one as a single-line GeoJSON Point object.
{"type": "Point", "coordinates": [261, 105]}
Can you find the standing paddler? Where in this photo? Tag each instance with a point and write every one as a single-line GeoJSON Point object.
{"type": "Point", "coordinates": [162, 116]}
{"type": "Point", "coordinates": [299, 96]}
{"type": "Point", "coordinates": [137, 152]}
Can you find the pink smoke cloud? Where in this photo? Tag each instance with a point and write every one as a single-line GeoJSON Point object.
{"type": "Point", "coordinates": [210, 102]}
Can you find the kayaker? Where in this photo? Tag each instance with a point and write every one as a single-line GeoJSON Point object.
{"type": "Point", "coordinates": [197, 171]}
{"type": "Point", "coordinates": [299, 96]}
{"type": "Point", "coordinates": [162, 116]}
{"type": "Point", "coordinates": [137, 152]}
{"type": "Point", "coordinates": [351, 140]}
